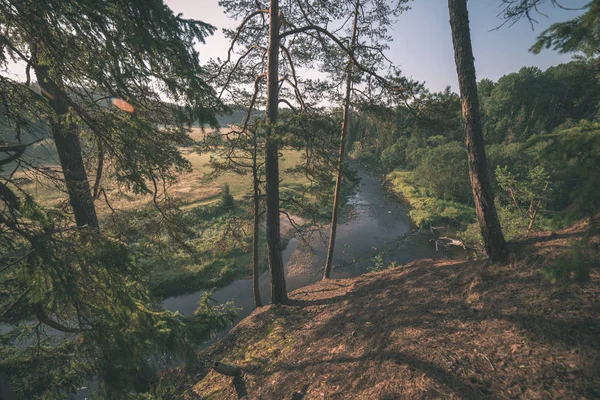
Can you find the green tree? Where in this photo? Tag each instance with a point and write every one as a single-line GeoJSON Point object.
{"type": "Point", "coordinates": [86, 53]}
{"type": "Point", "coordinates": [75, 296]}
{"type": "Point", "coordinates": [528, 193]}
{"type": "Point", "coordinates": [575, 155]}
{"type": "Point", "coordinates": [581, 34]}
{"type": "Point", "coordinates": [443, 172]}
{"type": "Point", "coordinates": [227, 201]}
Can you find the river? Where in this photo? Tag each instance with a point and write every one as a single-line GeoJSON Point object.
{"type": "Point", "coordinates": [372, 222]}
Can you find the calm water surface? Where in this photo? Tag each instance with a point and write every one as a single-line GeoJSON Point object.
{"type": "Point", "coordinates": [373, 222]}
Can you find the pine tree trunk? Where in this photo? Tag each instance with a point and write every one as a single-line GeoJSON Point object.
{"type": "Point", "coordinates": [342, 153]}
{"type": "Point", "coordinates": [482, 192]}
{"type": "Point", "coordinates": [255, 272]}
{"type": "Point", "coordinates": [278, 288]}
{"type": "Point", "coordinates": [66, 139]}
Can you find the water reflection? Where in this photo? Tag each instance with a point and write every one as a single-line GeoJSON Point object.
{"type": "Point", "coordinates": [373, 223]}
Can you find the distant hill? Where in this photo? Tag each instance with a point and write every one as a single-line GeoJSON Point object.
{"type": "Point", "coordinates": [43, 149]}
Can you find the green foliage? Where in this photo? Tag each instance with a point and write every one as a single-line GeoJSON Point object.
{"type": "Point", "coordinates": [377, 263]}
{"type": "Point", "coordinates": [570, 266]}
{"type": "Point", "coordinates": [103, 320]}
{"type": "Point", "coordinates": [394, 156]}
{"type": "Point", "coordinates": [227, 201]}
{"type": "Point", "coordinates": [575, 154]}
{"type": "Point", "coordinates": [158, 68]}
{"type": "Point", "coordinates": [443, 172]}
{"type": "Point", "coordinates": [580, 34]}
{"type": "Point", "coordinates": [363, 153]}
{"type": "Point", "coordinates": [425, 209]}
{"type": "Point", "coordinates": [529, 102]}
{"type": "Point", "coordinates": [77, 298]}
{"type": "Point", "coordinates": [210, 251]}
{"type": "Point", "coordinates": [528, 192]}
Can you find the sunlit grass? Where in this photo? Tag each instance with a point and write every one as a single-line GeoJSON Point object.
{"type": "Point", "coordinates": [191, 188]}
{"type": "Point", "coordinates": [216, 258]}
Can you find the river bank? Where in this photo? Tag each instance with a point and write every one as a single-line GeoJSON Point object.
{"type": "Point", "coordinates": [375, 231]}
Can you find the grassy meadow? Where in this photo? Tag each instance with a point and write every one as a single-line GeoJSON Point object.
{"type": "Point", "coordinates": [204, 245]}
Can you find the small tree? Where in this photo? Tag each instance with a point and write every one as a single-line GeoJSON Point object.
{"type": "Point", "coordinates": [240, 154]}
{"type": "Point", "coordinates": [528, 194]}
{"type": "Point", "coordinates": [227, 201]}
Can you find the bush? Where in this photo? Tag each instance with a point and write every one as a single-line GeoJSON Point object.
{"type": "Point", "coordinates": [361, 152]}
{"type": "Point", "coordinates": [444, 173]}
{"type": "Point", "coordinates": [395, 155]}
{"type": "Point", "coordinates": [227, 201]}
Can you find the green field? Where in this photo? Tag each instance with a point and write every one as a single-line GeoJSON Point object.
{"type": "Point", "coordinates": [212, 246]}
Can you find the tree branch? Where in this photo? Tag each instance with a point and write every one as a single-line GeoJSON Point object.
{"type": "Point", "coordinates": [235, 38]}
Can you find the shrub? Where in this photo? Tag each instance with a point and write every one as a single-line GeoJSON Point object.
{"type": "Point", "coordinates": [571, 266]}
{"type": "Point", "coordinates": [361, 152]}
{"type": "Point", "coordinates": [395, 155]}
{"type": "Point", "coordinates": [227, 201]}
{"type": "Point", "coordinates": [426, 209]}
{"type": "Point", "coordinates": [443, 171]}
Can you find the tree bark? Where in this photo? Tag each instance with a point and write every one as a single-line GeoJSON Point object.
{"type": "Point", "coordinates": [487, 216]}
{"type": "Point", "coordinates": [256, 199]}
{"type": "Point", "coordinates": [277, 273]}
{"type": "Point", "coordinates": [342, 153]}
{"type": "Point", "coordinates": [66, 139]}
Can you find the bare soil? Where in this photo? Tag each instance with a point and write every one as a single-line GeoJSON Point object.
{"type": "Point", "coordinates": [429, 329]}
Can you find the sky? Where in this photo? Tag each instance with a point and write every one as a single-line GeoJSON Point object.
{"type": "Point", "coordinates": [422, 45]}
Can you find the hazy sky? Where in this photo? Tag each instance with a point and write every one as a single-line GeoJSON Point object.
{"type": "Point", "coordinates": [422, 44]}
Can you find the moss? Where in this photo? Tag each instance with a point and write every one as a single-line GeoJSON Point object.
{"type": "Point", "coordinates": [272, 340]}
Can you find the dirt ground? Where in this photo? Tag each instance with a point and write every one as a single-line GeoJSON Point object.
{"type": "Point", "coordinates": [430, 329]}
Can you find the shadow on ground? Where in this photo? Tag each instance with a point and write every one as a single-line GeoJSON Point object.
{"type": "Point", "coordinates": [430, 329]}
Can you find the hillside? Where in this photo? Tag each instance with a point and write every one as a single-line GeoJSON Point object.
{"type": "Point", "coordinates": [430, 329]}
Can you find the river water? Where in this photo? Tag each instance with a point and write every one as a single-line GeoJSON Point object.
{"type": "Point", "coordinates": [372, 222]}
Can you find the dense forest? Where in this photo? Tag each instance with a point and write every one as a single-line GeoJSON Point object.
{"type": "Point", "coordinates": [540, 131]}
{"type": "Point", "coordinates": [133, 171]}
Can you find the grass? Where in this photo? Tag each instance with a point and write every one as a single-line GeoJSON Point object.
{"type": "Point", "coordinates": [220, 241]}
{"type": "Point", "coordinates": [425, 209]}
{"type": "Point", "coordinates": [213, 246]}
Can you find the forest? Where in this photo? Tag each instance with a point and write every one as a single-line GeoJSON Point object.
{"type": "Point", "coordinates": [141, 185]}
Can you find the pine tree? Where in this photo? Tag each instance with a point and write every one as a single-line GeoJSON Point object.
{"type": "Point", "coordinates": [276, 39]}
{"type": "Point", "coordinates": [87, 56]}
{"type": "Point", "coordinates": [487, 216]}
{"type": "Point", "coordinates": [372, 24]}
